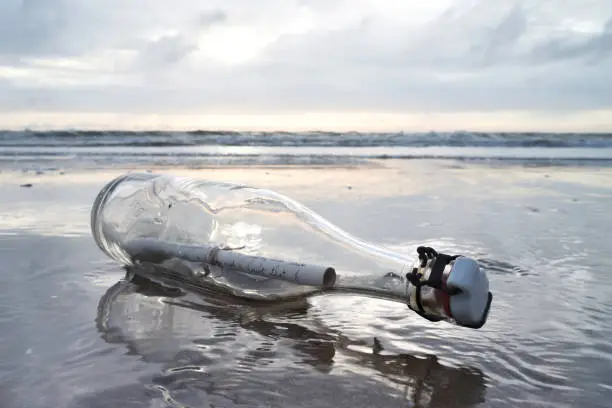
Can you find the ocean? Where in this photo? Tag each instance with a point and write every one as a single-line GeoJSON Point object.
{"type": "Point", "coordinates": [89, 149]}
{"type": "Point", "coordinates": [532, 208]}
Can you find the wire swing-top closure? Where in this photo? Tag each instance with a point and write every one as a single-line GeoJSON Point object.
{"type": "Point", "coordinates": [446, 287]}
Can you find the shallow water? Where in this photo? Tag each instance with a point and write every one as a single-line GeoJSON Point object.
{"type": "Point", "coordinates": [41, 151]}
{"type": "Point", "coordinates": [75, 333]}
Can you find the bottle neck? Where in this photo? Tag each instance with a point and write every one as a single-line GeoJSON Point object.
{"type": "Point", "coordinates": [373, 292]}
{"type": "Point", "coordinates": [391, 286]}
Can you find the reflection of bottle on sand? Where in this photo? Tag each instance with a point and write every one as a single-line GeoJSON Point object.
{"type": "Point", "coordinates": [257, 243]}
{"type": "Point", "coordinates": [159, 323]}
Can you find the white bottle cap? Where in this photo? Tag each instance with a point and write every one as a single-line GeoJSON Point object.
{"type": "Point", "coordinates": [470, 306]}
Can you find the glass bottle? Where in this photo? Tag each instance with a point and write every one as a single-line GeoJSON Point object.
{"type": "Point", "coordinates": [258, 243]}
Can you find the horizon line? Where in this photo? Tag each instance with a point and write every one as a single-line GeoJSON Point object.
{"type": "Point", "coordinates": [310, 131]}
{"type": "Point", "coordinates": [589, 121]}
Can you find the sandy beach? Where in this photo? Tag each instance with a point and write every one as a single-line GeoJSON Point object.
{"type": "Point", "coordinates": [79, 336]}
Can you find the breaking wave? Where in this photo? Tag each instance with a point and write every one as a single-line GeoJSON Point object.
{"type": "Point", "coordinates": [301, 139]}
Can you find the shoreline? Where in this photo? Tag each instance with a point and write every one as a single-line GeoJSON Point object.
{"type": "Point", "coordinates": [399, 167]}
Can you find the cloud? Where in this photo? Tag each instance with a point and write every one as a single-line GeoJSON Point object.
{"type": "Point", "coordinates": [152, 56]}
{"type": "Point", "coordinates": [593, 49]}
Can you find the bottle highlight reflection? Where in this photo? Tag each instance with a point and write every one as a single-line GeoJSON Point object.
{"type": "Point", "coordinates": [257, 243]}
{"type": "Point", "coordinates": [206, 342]}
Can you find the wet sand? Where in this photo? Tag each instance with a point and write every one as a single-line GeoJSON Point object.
{"type": "Point", "coordinates": [75, 334]}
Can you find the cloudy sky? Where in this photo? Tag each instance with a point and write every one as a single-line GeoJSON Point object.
{"type": "Point", "coordinates": [360, 64]}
